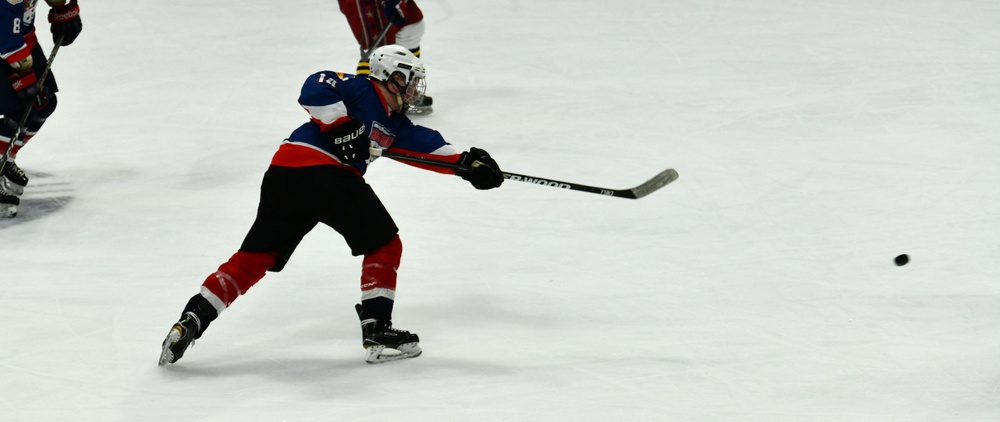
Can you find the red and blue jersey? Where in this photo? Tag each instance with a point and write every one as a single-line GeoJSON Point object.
{"type": "Point", "coordinates": [331, 99]}
{"type": "Point", "coordinates": [17, 29]}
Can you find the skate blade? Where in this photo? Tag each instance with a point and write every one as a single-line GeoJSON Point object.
{"type": "Point", "coordinates": [8, 211]}
{"type": "Point", "coordinates": [10, 187]}
{"type": "Point", "coordinates": [406, 351]}
{"type": "Point", "coordinates": [166, 355]}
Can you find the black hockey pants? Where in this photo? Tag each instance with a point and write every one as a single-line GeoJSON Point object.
{"type": "Point", "coordinates": [294, 199]}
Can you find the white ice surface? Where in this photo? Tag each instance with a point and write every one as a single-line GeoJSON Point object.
{"type": "Point", "coordinates": [815, 142]}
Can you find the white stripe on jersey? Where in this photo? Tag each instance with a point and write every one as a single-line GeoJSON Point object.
{"type": "Point", "coordinates": [446, 149]}
{"type": "Point", "coordinates": [327, 114]}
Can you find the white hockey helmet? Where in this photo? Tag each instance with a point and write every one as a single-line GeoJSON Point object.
{"type": "Point", "coordinates": [388, 60]}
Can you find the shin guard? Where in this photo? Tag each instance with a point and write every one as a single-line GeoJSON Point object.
{"type": "Point", "coordinates": [235, 277]}
{"type": "Point", "coordinates": [378, 271]}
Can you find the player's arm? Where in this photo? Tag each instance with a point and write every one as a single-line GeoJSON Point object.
{"type": "Point", "coordinates": [483, 173]}
{"type": "Point", "coordinates": [12, 46]}
{"type": "Point", "coordinates": [64, 20]}
{"type": "Point", "coordinates": [322, 99]}
{"type": "Point", "coordinates": [15, 52]}
{"type": "Point", "coordinates": [424, 142]}
{"type": "Point", "coordinates": [395, 11]}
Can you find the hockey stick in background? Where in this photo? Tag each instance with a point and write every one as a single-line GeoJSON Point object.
{"type": "Point", "coordinates": [660, 180]}
{"type": "Point", "coordinates": [366, 54]}
{"type": "Point", "coordinates": [20, 131]}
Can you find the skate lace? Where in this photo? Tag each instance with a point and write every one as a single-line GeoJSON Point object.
{"type": "Point", "coordinates": [388, 328]}
{"type": "Point", "coordinates": [395, 331]}
{"type": "Point", "coordinates": [11, 169]}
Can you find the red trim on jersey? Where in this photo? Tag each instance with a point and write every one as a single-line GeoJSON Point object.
{"type": "Point", "coordinates": [294, 155]}
{"type": "Point", "coordinates": [385, 103]}
{"type": "Point", "coordinates": [453, 158]}
{"type": "Point", "coordinates": [323, 127]}
{"type": "Point", "coordinates": [30, 41]}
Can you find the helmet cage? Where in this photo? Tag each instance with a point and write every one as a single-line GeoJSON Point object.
{"type": "Point", "coordinates": [413, 92]}
{"type": "Point", "coordinates": [388, 61]}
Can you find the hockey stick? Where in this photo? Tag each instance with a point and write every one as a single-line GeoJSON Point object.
{"type": "Point", "coordinates": [20, 131]}
{"type": "Point", "coordinates": [660, 180]}
{"type": "Point", "coordinates": [366, 54]}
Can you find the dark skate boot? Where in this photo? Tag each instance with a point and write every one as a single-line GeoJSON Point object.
{"type": "Point", "coordinates": [12, 180]}
{"type": "Point", "coordinates": [180, 337]}
{"type": "Point", "coordinates": [194, 320]}
{"type": "Point", "coordinates": [377, 336]}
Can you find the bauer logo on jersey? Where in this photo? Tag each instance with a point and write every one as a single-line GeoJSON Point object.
{"type": "Point", "coordinates": [381, 135]}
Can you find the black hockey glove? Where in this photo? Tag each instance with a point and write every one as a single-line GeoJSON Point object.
{"type": "Point", "coordinates": [65, 22]}
{"type": "Point", "coordinates": [483, 172]}
{"type": "Point", "coordinates": [395, 10]}
{"type": "Point", "coordinates": [25, 86]}
{"type": "Point", "coordinates": [349, 142]}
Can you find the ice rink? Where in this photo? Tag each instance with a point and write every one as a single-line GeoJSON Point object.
{"type": "Point", "coordinates": [815, 141]}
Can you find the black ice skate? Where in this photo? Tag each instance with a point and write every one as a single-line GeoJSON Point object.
{"type": "Point", "coordinates": [379, 335]}
{"type": "Point", "coordinates": [8, 205]}
{"type": "Point", "coordinates": [13, 180]}
{"type": "Point", "coordinates": [195, 318]}
{"type": "Point", "coordinates": [180, 337]}
{"type": "Point", "coordinates": [426, 106]}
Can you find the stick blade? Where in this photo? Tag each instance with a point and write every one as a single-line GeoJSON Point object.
{"type": "Point", "coordinates": [660, 180]}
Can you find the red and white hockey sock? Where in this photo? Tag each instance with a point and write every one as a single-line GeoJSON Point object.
{"type": "Point", "coordinates": [378, 278]}
{"type": "Point", "coordinates": [5, 141]}
{"type": "Point", "coordinates": [378, 270]}
{"type": "Point", "coordinates": [235, 277]}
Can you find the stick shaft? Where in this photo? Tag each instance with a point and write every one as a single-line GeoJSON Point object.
{"type": "Point", "coordinates": [368, 53]}
{"type": "Point", "coordinates": [19, 132]}
{"type": "Point", "coordinates": [658, 181]}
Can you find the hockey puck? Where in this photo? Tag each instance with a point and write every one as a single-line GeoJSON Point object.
{"type": "Point", "coordinates": [902, 260]}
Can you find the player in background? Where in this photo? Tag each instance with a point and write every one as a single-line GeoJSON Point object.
{"type": "Point", "coordinates": [317, 176]}
{"type": "Point", "coordinates": [368, 18]}
{"type": "Point", "coordinates": [23, 64]}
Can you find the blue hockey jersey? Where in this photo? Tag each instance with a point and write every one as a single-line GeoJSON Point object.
{"type": "Point", "coordinates": [17, 29]}
{"type": "Point", "coordinates": [331, 99]}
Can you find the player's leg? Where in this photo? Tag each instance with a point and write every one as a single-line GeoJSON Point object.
{"type": "Point", "coordinates": [410, 36]}
{"type": "Point", "coordinates": [367, 20]}
{"type": "Point", "coordinates": [378, 294]}
{"type": "Point", "coordinates": [351, 207]}
{"type": "Point", "coordinates": [13, 180]}
{"type": "Point", "coordinates": [272, 238]}
{"type": "Point", "coordinates": [411, 33]}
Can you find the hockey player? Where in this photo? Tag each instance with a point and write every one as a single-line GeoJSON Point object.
{"type": "Point", "coordinates": [317, 176]}
{"type": "Point", "coordinates": [368, 18]}
{"type": "Point", "coordinates": [23, 63]}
